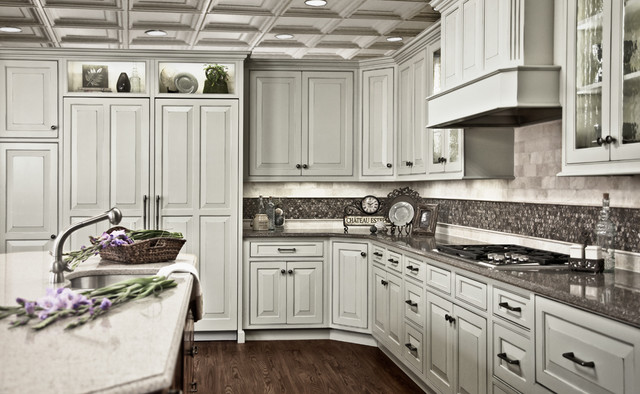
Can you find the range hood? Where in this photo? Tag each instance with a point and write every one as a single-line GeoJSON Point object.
{"type": "Point", "coordinates": [508, 97]}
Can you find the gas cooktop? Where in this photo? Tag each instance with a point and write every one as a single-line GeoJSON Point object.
{"type": "Point", "coordinates": [505, 255]}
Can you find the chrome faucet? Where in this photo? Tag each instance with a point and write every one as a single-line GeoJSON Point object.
{"type": "Point", "coordinates": [58, 266]}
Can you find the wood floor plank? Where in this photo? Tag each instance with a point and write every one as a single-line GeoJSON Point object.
{"type": "Point", "coordinates": [320, 366]}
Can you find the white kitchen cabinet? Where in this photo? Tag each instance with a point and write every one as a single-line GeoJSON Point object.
{"type": "Point", "coordinates": [578, 351]}
{"type": "Point", "coordinates": [349, 280]}
{"type": "Point", "coordinates": [29, 197]}
{"type": "Point", "coordinates": [29, 99]}
{"type": "Point", "coordinates": [445, 155]}
{"type": "Point", "coordinates": [456, 347]}
{"type": "Point", "coordinates": [388, 305]}
{"type": "Point", "coordinates": [378, 131]}
{"type": "Point", "coordinates": [301, 124]}
{"type": "Point", "coordinates": [601, 134]}
{"type": "Point", "coordinates": [412, 138]}
{"type": "Point", "coordinates": [286, 292]}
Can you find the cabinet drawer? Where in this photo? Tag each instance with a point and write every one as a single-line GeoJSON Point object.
{"type": "Point", "coordinates": [414, 303]}
{"type": "Point", "coordinates": [414, 268]}
{"type": "Point", "coordinates": [513, 307]}
{"type": "Point", "coordinates": [439, 278]}
{"type": "Point", "coordinates": [377, 256]}
{"type": "Point", "coordinates": [578, 351]}
{"type": "Point", "coordinates": [278, 249]}
{"type": "Point", "coordinates": [412, 351]}
{"type": "Point", "coordinates": [471, 291]}
{"type": "Point", "coordinates": [394, 261]}
{"type": "Point", "coordinates": [512, 356]}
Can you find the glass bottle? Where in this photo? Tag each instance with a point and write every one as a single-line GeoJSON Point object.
{"type": "Point", "coordinates": [271, 208]}
{"type": "Point", "coordinates": [606, 234]}
{"type": "Point", "coordinates": [135, 80]}
{"type": "Point", "coordinates": [261, 205]}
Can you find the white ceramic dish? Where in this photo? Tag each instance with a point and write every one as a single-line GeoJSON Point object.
{"type": "Point", "coordinates": [186, 83]}
{"type": "Point", "coordinates": [401, 213]}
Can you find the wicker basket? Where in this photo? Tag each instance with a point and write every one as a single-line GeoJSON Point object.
{"type": "Point", "coordinates": [153, 250]}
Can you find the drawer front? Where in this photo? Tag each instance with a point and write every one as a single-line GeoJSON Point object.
{"type": "Point", "coordinates": [414, 303]}
{"type": "Point", "coordinates": [415, 269]}
{"type": "Point", "coordinates": [287, 249]}
{"type": "Point", "coordinates": [471, 291]}
{"type": "Point", "coordinates": [439, 279]}
{"type": "Point", "coordinates": [394, 261]}
{"type": "Point", "coordinates": [377, 256]}
{"type": "Point", "coordinates": [582, 352]}
{"type": "Point", "coordinates": [412, 351]}
{"type": "Point", "coordinates": [512, 356]}
{"type": "Point", "coordinates": [513, 307]}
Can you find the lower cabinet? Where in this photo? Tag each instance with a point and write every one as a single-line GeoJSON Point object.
{"type": "Point", "coordinates": [286, 292]}
{"type": "Point", "coordinates": [349, 279]}
{"type": "Point", "coordinates": [387, 309]}
{"type": "Point", "coordinates": [456, 347]}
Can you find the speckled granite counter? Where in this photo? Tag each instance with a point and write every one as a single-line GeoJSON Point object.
{"type": "Point", "coordinates": [613, 295]}
{"type": "Point", "coordinates": [131, 349]}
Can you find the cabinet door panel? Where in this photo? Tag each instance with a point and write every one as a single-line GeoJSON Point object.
{"type": "Point", "coordinates": [37, 245]}
{"type": "Point", "coordinates": [28, 201]}
{"type": "Point", "coordinates": [377, 122]}
{"type": "Point", "coordinates": [80, 237]}
{"type": "Point", "coordinates": [218, 274]}
{"type": "Point", "coordinates": [185, 225]}
{"type": "Point", "coordinates": [327, 123]}
{"type": "Point", "coordinates": [405, 123]}
{"type": "Point", "coordinates": [380, 304]}
{"type": "Point", "coordinates": [349, 285]}
{"type": "Point", "coordinates": [87, 156]}
{"type": "Point", "coordinates": [29, 99]}
{"type": "Point", "coordinates": [451, 65]}
{"type": "Point", "coordinates": [396, 307]}
{"type": "Point", "coordinates": [470, 352]}
{"type": "Point", "coordinates": [419, 133]}
{"type": "Point", "coordinates": [439, 343]}
{"type": "Point", "coordinates": [304, 292]}
{"type": "Point", "coordinates": [268, 293]}
{"type": "Point", "coordinates": [275, 128]}
{"type": "Point", "coordinates": [217, 122]}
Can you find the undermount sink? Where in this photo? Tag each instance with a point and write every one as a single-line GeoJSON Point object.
{"type": "Point", "coordinates": [97, 281]}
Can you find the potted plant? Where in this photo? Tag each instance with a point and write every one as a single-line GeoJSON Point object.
{"type": "Point", "coordinates": [217, 78]}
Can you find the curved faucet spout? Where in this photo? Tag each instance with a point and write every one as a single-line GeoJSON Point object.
{"type": "Point", "coordinates": [58, 266]}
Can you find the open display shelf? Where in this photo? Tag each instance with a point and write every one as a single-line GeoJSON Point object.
{"type": "Point", "coordinates": [97, 76]}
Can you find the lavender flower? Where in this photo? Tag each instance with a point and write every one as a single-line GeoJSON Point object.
{"type": "Point", "coordinates": [105, 304]}
{"type": "Point", "coordinates": [30, 307]}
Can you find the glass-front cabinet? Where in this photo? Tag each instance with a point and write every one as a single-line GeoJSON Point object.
{"type": "Point", "coordinates": [603, 88]}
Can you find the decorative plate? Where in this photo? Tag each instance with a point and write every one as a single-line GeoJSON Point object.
{"type": "Point", "coordinates": [401, 213]}
{"type": "Point", "coordinates": [186, 83]}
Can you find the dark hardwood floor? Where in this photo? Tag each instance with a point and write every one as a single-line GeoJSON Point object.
{"type": "Point", "coordinates": [319, 366]}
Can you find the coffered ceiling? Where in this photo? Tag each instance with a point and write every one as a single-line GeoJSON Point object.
{"type": "Point", "coordinates": [348, 29]}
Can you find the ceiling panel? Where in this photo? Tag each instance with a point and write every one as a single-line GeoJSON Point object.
{"type": "Point", "coordinates": [347, 29]}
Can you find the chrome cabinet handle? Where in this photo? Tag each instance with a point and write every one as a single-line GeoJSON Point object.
{"type": "Point", "coordinates": [503, 356]}
{"type": "Point", "coordinates": [286, 250]}
{"type": "Point", "coordinates": [572, 357]}
{"type": "Point", "coordinates": [157, 212]}
{"type": "Point", "coordinates": [144, 211]}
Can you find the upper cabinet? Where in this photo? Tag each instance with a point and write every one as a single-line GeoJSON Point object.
{"type": "Point", "coordinates": [29, 99]}
{"type": "Point", "coordinates": [301, 124]}
{"type": "Point", "coordinates": [378, 122]}
{"type": "Point", "coordinates": [108, 76]}
{"type": "Point", "coordinates": [603, 80]}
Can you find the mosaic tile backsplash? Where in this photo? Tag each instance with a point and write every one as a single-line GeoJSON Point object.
{"type": "Point", "coordinates": [548, 221]}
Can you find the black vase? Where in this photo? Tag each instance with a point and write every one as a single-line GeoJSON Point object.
{"type": "Point", "coordinates": [123, 84]}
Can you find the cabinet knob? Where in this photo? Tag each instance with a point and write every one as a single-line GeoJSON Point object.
{"type": "Point", "coordinates": [384, 282]}
{"type": "Point", "coordinates": [305, 166]}
{"type": "Point", "coordinates": [298, 166]}
{"type": "Point", "coordinates": [290, 272]}
{"type": "Point", "coordinates": [609, 139]}
{"type": "Point", "coordinates": [598, 141]}
{"type": "Point", "coordinates": [363, 254]}
{"type": "Point", "coordinates": [53, 236]}
{"type": "Point", "coordinates": [283, 271]}
{"type": "Point", "coordinates": [389, 165]}
{"type": "Point", "coordinates": [53, 127]}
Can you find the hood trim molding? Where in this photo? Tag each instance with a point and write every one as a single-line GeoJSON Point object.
{"type": "Point", "coordinates": [507, 97]}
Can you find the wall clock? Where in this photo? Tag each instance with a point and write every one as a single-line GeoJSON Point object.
{"type": "Point", "coordinates": [370, 204]}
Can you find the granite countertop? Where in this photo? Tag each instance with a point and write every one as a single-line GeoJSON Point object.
{"type": "Point", "coordinates": [615, 295]}
{"type": "Point", "coordinates": [131, 349]}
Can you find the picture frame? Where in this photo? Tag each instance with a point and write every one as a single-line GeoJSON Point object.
{"type": "Point", "coordinates": [425, 219]}
{"type": "Point", "coordinates": [95, 76]}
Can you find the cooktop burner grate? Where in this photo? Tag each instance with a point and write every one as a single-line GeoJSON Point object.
{"type": "Point", "coordinates": [504, 254]}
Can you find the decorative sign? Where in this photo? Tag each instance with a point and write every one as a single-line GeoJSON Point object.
{"type": "Point", "coordinates": [362, 220]}
{"type": "Point", "coordinates": [360, 213]}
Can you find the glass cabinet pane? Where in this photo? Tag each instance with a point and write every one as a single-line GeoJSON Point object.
{"type": "Point", "coordinates": [436, 155]}
{"type": "Point", "coordinates": [631, 72]}
{"type": "Point", "coordinates": [437, 66]}
{"type": "Point", "coordinates": [589, 62]}
{"type": "Point", "coordinates": [454, 146]}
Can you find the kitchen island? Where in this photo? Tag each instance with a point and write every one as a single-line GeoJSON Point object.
{"type": "Point", "coordinates": [130, 349]}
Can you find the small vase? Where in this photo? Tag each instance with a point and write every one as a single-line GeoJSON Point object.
{"type": "Point", "coordinates": [123, 84]}
{"type": "Point", "coordinates": [218, 87]}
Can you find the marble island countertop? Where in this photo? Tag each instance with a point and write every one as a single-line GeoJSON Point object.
{"type": "Point", "coordinates": [615, 295]}
{"type": "Point", "coordinates": [131, 349]}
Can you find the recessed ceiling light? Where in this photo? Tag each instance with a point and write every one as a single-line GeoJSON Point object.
{"type": "Point", "coordinates": [10, 29]}
{"type": "Point", "coordinates": [394, 39]}
{"type": "Point", "coordinates": [316, 3]}
{"type": "Point", "coordinates": [284, 36]}
{"type": "Point", "coordinates": [155, 33]}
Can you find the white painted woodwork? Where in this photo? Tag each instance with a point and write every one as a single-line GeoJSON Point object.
{"type": "Point", "coordinates": [380, 301]}
{"type": "Point", "coordinates": [472, 38]}
{"type": "Point", "coordinates": [304, 292]}
{"type": "Point", "coordinates": [415, 269]}
{"type": "Point", "coordinates": [439, 278]}
{"type": "Point", "coordinates": [470, 352]}
{"type": "Point", "coordinates": [439, 344]}
{"type": "Point", "coordinates": [451, 46]}
{"type": "Point", "coordinates": [378, 122]}
{"type": "Point", "coordinates": [36, 245]}
{"type": "Point", "coordinates": [446, 144]}
{"type": "Point", "coordinates": [413, 348]}
{"type": "Point", "coordinates": [388, 308]}
{"type": "Point", "coordinates": [349, 284]}
{"type": "Point", "coordinates": [29, 99]}
{"type": "Point", "coordinates": [275, 123]}
{"type": "Point", "coordinates": [394, 262]}
{"type": "Point", "coordinates": [471, 291]}
{"type": "Point", "coordinates": [415, 295]}
{"type": "Point", "coordinates": [268, 293]}
{"type": "Point", "coordinates": [80, 237]}
{"type": "Point", "coordinates": [412, 142]}
{"type": "Point", "coordinates": [523, 317]}
{"type": "Point", "coordinates": [396, 308]}
{"type": "Point", "coordinates": [614, 349]}
{"type": "Point", "coordinates": [29, 191]}
{"type": "Point", "coordinates": [218, 272]}
{"type": "Point", "coordinates": [515, 346]}
{"type": "Point", "coordinates": [187, 225]}
{"type": "Point", "coordinates": [286, 249]}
